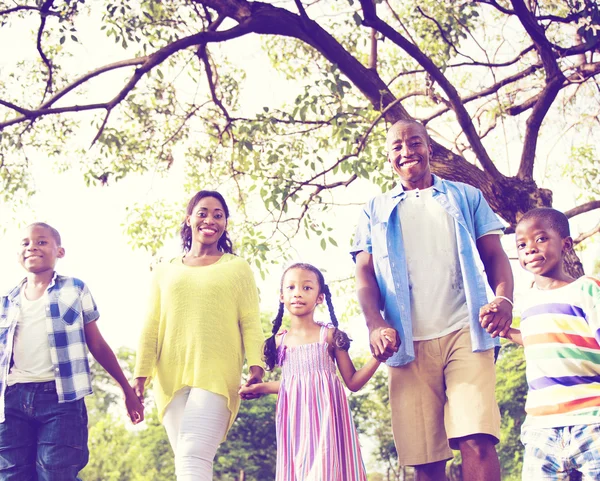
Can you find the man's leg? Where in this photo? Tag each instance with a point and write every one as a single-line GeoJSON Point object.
{"type": "Point", "coordinates": [479, 458]}
{"type": "Point", "coordinates": [431, 472]}
{"type": "Point", "coordinates": [417, 398]}
{"type": "Point", "coordinates": [472, 416]}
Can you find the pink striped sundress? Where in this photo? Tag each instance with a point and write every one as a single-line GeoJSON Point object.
{"type": "Point", "coordinates": [316, 437]}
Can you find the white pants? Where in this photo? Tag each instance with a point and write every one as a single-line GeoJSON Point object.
{"type": "Point", "coordinates": [195, 421]}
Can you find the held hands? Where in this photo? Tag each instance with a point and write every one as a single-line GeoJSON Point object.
{"type": "Point", "coordinates": [384, 342]}
{"type": "Point", "coordinates": [251, 390]}
{"type": "Point", "coordinates": [496, 317]}
{"type": "Point", "coordinates": [134, 406]}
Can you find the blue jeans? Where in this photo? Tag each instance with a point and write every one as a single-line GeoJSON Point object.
{"type": "Point", "coordinates": [42, 439]}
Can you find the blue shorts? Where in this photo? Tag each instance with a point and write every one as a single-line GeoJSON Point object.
{"type": "Point", "coordinates": [554, 453]}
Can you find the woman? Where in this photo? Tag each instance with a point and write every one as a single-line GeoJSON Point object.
{"type": "Point", "coordinates": [203, 318]}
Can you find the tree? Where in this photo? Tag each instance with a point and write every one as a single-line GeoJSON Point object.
{"type": "Point", "coordinates": [479, 73]}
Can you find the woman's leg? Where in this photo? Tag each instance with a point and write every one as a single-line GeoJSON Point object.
{"type": "Point", "coordinates": [201, 426]}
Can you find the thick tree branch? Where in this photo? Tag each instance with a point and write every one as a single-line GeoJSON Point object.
{"type": "Point", "coordinates": [490, 90]}
{"type": "Point", "coordinates": [49, 81]}
{"type": "Point", "coordinates": [463, 117]}
{"type": "Point", "coordinates": [583, 208]}
{"type": "Point", "coordinates": [21, 8]}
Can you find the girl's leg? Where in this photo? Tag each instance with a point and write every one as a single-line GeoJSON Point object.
{"type": "Point", "coordinates": [18, 437]}
{"type": "Point", "coordinates": [203, 425]}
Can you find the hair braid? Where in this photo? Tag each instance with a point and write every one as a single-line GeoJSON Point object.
{"type": "Point", "coordinates": [270, 349]}
{"type": "Point", "coordinates": [340, 338]}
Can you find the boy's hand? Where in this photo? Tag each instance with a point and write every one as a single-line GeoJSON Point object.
{"type": "Point", "coordinates": [135, 408]}
{"type": "Point", "coordinates": [496, 317]}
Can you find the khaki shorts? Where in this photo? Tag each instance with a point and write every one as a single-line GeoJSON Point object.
{"type": "Point", "coordinates": [446, 393]}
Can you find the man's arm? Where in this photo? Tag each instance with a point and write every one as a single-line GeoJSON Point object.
{"type": "Point", "coordinates": [500, 278]}
{"type": "Point", "coordinates": [368, 295]}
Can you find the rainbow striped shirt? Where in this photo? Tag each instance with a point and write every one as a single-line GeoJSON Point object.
{"type": "Point", "coordinates": [561, 335]}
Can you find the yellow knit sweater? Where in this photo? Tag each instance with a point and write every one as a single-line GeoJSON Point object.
{"type": "Point", "coordinates": [200, 323]}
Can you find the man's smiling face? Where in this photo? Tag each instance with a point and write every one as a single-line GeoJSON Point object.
{"type": "Point", "coordinates": [409, 151]}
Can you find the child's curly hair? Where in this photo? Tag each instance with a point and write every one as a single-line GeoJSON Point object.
{"type": "Point", "coordinates": [340, 338]}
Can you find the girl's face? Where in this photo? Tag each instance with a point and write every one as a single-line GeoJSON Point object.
{"type": "Point", "coordinates": [207, 221]}
{"type": "Point", "coordinates": [300, 291]}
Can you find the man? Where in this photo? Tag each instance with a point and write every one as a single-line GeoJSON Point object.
{"type": "Point", "coordinates": [418, 252]}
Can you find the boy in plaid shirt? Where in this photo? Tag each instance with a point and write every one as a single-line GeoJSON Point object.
{"type": "Point", "coordinates": [47, 325]}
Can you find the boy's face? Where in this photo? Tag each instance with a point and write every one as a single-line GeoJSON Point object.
{"type": "Point", "coordinates": [409, 151]}
{"type": "Point", "coordinates": [540, 247]}
{"type": "Point", "coordinates": [38, 250]}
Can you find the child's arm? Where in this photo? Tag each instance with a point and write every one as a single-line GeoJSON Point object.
{"type": "Point", "coordinates": [352, 378]}
{"type": "Point", "coordinates": [250, 391]}
{"type": "Point", "coordinates": [107, 359]}
{"type": "Point", "coordinates": [514, 335]}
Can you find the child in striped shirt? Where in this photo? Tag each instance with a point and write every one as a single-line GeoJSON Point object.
{"type": "Point", "coordinates": [560, 331]}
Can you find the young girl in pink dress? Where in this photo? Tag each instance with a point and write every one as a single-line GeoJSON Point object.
{"type": "Point", "coordinates": [316, 437]}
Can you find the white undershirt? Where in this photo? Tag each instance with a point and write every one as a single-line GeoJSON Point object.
{"type": "Point", "coordinates": [31, 352]}
{"type": "Point", "coordinates": [437, 293]}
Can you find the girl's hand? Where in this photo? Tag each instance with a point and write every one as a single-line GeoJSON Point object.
{"type": "Point", "coordinates": [134, 406]}
{"type": "Point", "coordinates": [139, 384]}
{"type": "Point", "coordinates": [252, 391]}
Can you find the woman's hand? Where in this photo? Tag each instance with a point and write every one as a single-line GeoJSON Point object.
{"type": "Point", "coordinates": [139, 384]}
{"type": "Point", "coordinates": [256, 376]}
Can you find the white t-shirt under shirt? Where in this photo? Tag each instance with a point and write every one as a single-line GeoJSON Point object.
{"type": "Point", "coordinates": [31, 353]}
{"type": "Point", "coordinates": [437, 293]}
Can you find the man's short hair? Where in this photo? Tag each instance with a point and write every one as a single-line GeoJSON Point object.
{"type": "Point", "coordinates": [555, 219]}
{"type": "Point", "coordinates": [55, 234]}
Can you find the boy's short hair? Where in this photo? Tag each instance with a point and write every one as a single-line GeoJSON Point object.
{"type": "Point", "coordinates": [53, 231]}
{"type": "Point", "coordinates": [555, 218]}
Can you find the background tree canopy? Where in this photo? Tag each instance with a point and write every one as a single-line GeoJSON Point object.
{"type": "Point", "coordinates": [500, 85]}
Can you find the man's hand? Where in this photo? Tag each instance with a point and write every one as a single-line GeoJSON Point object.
{"type": "Point", "coordinates": [385, 341]}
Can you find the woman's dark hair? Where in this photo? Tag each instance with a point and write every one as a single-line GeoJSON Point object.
{"type": "Point", "coordinates": [340, 338]}
{"type": "Point", "coordinates": [224, 244]}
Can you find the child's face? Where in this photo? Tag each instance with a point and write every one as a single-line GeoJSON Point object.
{"type": "Point", "coordinates": [300, 291]}
{"type": "Point", "coordinates": [38, 250]}
{"type": "Point", "coordinates": [540, 247]}
{"type": "Point", "coordinates": [208, 221]}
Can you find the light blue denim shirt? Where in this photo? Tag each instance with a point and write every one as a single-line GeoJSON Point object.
{"type": "Point", "coordinates": [379, 233]}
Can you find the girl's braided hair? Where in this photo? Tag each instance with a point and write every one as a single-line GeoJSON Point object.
{"type": "Point", "coordinates": [340, 338]}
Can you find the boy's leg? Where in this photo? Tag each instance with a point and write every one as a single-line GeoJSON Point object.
{"type": "Point", "coordinates": [17, 438]}
{"type": "Point", "coordinates": [62, 440]}
{"type": "Point", "coordinates": [544, 454]}
{"type": "Point", "coordinates": [585, 449]}
{"type": "Point", "coordinates": [471, 416]}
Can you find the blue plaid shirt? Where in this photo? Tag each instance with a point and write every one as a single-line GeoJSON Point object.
{"type": "Point", "coordinates": [69, 306]}
{"type": "Point", "coordinates": [380, 234]}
